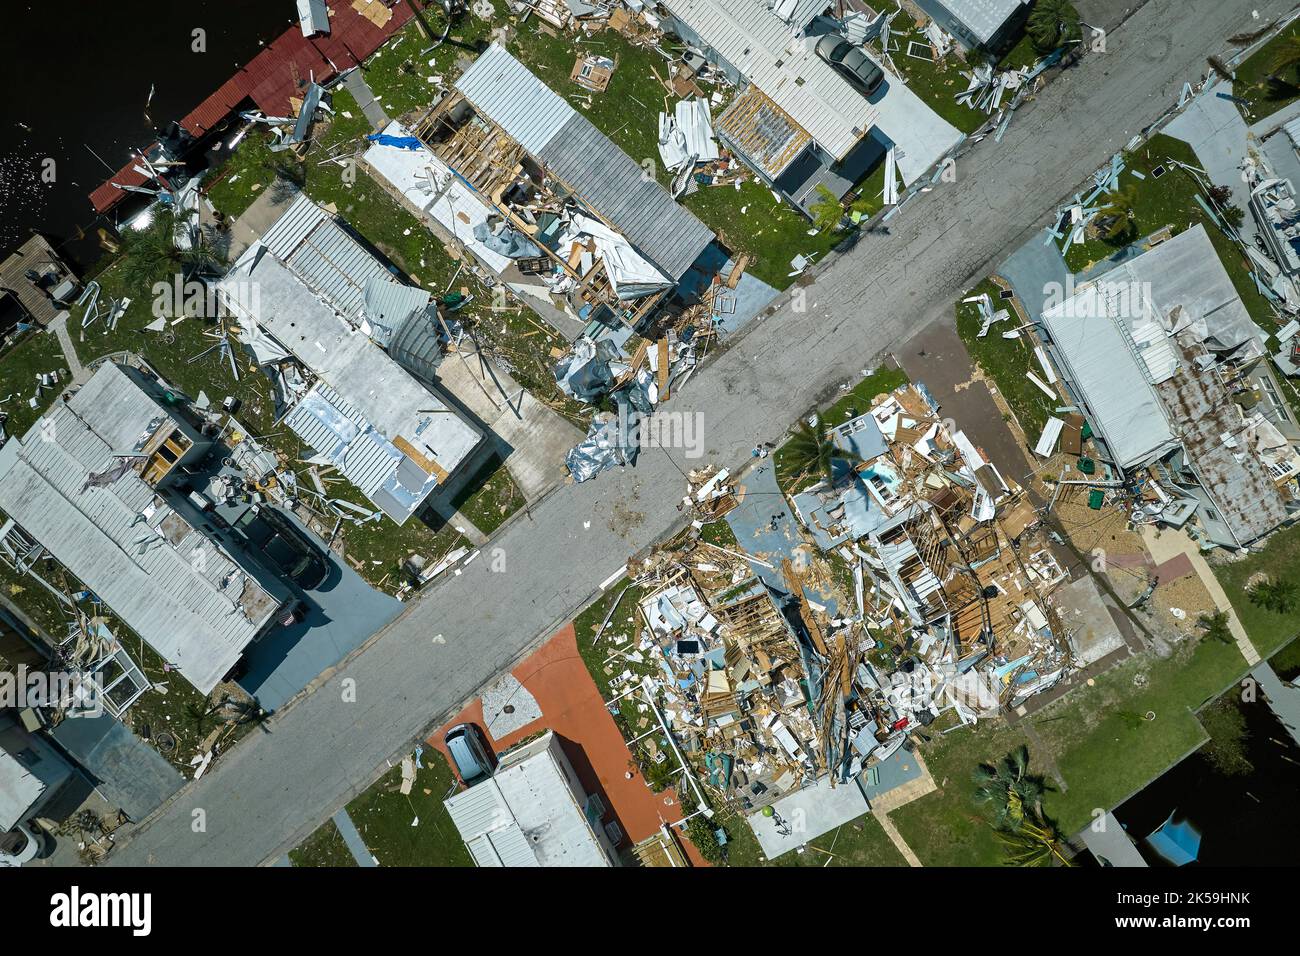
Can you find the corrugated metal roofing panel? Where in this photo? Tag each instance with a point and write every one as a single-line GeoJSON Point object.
{"type": "Point", "coordinates": [516, 100]}
{"type": "Point", "coordinates": [327, 258]}
{"type": "Point", "coordinates": [365, 458]}
{"type": "Point", "coordinates": [1102, 364]}
{"type": "Point", "coordinates": [414, 346]}
{"type": "Point", "coordinates": [616, 188]}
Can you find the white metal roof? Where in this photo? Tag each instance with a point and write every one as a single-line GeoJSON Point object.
{"type": "Point", "coordinates": [1103, 364]}
{"type": "Point", "coordinates": [377, 402]}
{"type": "Point", "coordinates": [527, 813]}
{"type": "Point", "coordinates": [427, 183]}
{"type": "Point", "coordinates": [174, 586]}
{"type": "Point", "coordinates": [983, 17]}
{"type": "Point", "coordinates": [327, 258]}
{"type": "Point", "coordinates": [747, 35]}
{"type": "Point", "coordinates": [1185, 271]}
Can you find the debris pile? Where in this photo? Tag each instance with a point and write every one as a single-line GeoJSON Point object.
{"type": "Point", "coordinates": [910, 589]}
{"type": "Point", "coordinates": [987, 89]}
{"type": "Point", "coordinates": [1074, 218]}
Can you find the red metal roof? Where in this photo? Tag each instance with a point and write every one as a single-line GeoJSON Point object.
{"type": "Point", "coordinates": [279, 72]}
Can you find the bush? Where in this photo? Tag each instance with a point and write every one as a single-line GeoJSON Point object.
{"type": "Point", "coordinates": [700, 832]}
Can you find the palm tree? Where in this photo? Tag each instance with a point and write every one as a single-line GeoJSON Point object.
{"type": "Point", "coordinates": [1119, 216]}
{"type": "Point", "coordinates": [1015, 793]}
{"type": "Point", "coordinates": [151, 255]}
{"type": "Point", "coordinates": [1036, 842]}
{"type": "Point", "coordinates": [1286, 60]}
{"type": "Point", "coordinates": [810, 452]}
{"type": "Point", "coordinates": [1052, 24]}
{"type": "Point", "coordinates": [1276, 596]}
{"type": "Point", "coordinates": [827, 211]}
{"type": "Point", "coordinates": [1216, 626]}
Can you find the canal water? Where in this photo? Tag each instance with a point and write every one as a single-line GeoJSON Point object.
{"type": "Point", "coordinates": [1245, 820]}
{"type": "Point", "coordinates": [76, 78]}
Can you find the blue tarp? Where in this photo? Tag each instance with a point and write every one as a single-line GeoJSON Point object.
{"type": "Point", "coordinates": [1178, 843]}
{"type": "Point", "coordinates": [401, 142]}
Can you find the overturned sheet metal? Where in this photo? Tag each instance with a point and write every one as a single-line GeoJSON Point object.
{"type": "Point", "coordinates": [687, 136]}
{"type": "Point", "coordinates": [611, 441]}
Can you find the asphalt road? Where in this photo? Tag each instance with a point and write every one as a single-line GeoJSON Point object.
{"type": "Point", "coordinates": [274, 789]}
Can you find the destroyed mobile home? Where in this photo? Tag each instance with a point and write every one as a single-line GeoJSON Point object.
{"type": "Point", "coordinates": [770, 682]}
{"type": "Point", "coordinates": [560, 215]}
{"type": "Point", "coordinates": [1166, 366]}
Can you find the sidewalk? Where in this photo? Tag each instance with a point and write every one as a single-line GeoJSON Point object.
{"type": "Point", "coordinates": [1170, 544]}
{"type": "Point", "coordinates": [80, 375]}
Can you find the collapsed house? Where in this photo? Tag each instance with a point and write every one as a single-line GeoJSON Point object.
{"type": "Point", "coordinates": [553, 209]}
{"type": "Point", "coordinates": [314, 306]}
{"type": "Point", "coordinates": [1164, 362]}
{"type": "Point", "coordinates": [99, 483]}
{"type": "Point", "coordinates": [781, 688]}
{"type": "Point", "coordinates": [571, 209]}
{"type": "Point", "coordinates": [797, 122]}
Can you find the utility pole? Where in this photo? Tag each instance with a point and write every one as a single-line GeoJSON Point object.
{"type": "Point", "coordinates": [424, 24]}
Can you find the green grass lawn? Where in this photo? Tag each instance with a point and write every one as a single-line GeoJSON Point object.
{"type": "Point", "coordinates": [1254, 82]}
{"type": "Point", "coordinates": [1280, 560]}
{"type": "Point", "coordinates": [1022, 54]}
{"type": "Point", "coordinates": [937, 83]}
{"type": "Point", "coordinates": [324, 848]}
{"type": "Point", "coordinates": [247, 170]}
{"type": "Point", "coordinates": [384, 817]}
{"type": "Point", "coordinates": [1105, 748]}
{"type": "Point", "coordinates": [854, 402]}
{"type": "Point", "coordinates": [1006, 361]}
{"type": "Point", "coordinates": [1286, 662]}
{"type": "Point", "coordinates": [490, 497]}
{"type": "Point", "coordinates": [628, 110]}
{"type": "Point", "coordinates": [946, 827]}
{"type": "Point", "coordinates": [1170, 201]}
{"type": "Point", "coordinates": [751, 221]}
{"type": "Point", "coordinates": [37, 352]}
{"type": "Point", "coordinates": [858, 843]}
{"type": "Point", "coordinates": [719, 532]}
{"type": "Point", "coordinates": [1098, 738]}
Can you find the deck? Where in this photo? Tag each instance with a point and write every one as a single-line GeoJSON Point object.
{"type": "Point", "coordinates": [357, 29]}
